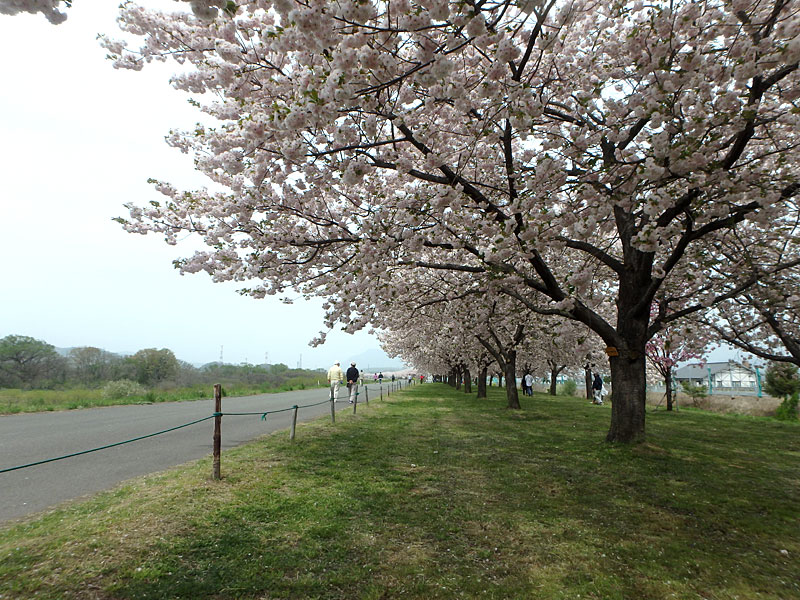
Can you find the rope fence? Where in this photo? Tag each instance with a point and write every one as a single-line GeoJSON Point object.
{"type": "Point", "coordinates": [217, 416]}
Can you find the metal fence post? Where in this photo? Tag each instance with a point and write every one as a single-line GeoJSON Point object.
{"type": "Point", "coordinates": [217, 430]}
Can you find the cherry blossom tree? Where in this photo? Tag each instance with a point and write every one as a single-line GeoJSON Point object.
{"type": "Point", "coordinates": [676, 343]}
{"type": "Point", "coordinates": [764, 318]}
{"type": "Point", "coordinates": [586, 151]}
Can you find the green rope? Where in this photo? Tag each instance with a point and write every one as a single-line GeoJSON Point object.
{"type": "Point", "coordinates": [213, 415]}
{"type": "Point", "coordinates": [41, 462]}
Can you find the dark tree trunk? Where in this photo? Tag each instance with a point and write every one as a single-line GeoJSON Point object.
{"type": "Point", "coordinates": [482, 382]}
{"type": "Point", "coordinates": [587, 377]}
{"type": "Point", "coordinates": [499, 380]}
{"type": "Point", "coordinates": [668, 382]}
{"type": "Point", "coordinates": [628, 389]}
{"type": "Point", "coordinates": [451, 379]}
{"type": "Point", "coordinates": [467, 381]}
{"type": "Point", "coordinates": [554, 372]}
{"type": "Point", "coordinates": [459, 373]}
{"type": "Point", "coordinates": [511, 379]}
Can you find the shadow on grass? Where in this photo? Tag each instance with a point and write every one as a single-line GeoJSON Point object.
{"type": "Point", "coordinates": [434, 494]}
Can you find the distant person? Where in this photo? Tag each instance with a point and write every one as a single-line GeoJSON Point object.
{"type": "Point", "coordinates": [597, 389]}
{"type": "Point", "coordinates": [528, 384]}
{"type": "Point", "coordinates": [375, 377]}
{"type": "Point", "coordinates": [335, 377]}
{"type": "Point", "coordinates": [352, 381]}
{"type": "Point", "coordinates": [380, 377]}
{"type": "Point", "coordinates": [392, 377]}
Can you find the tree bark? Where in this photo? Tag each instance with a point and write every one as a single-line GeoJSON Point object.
{"type": "Point", "coordinates": [458, 374]}
{"type": "Point", "coordinates": [499, 380]}
{"type": "Point", "coordinates": [467, 381]}
{"type": "Point", "coordinates": [587, 377]}
{"type": "Point", "coordinates": [482, 382]}
{"type": "Point", "coordinates": [555, 370]}
{"type": "Point", "coordinates": [668, 382]}
{"type": "Point", "coordinates": [510, 367]}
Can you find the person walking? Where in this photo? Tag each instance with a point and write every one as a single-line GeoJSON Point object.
{"type": "Point", "coordinates": [352, 382]}
{"type": "Point", "coordinates": [528, 380]}
{"type": "Point", "coordinates": [597, 389]}
{"type": "Point", "coordinates": [335, 377]}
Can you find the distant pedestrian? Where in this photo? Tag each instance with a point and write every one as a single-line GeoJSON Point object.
{"type": "Point", "coordinates": [352, 382]}
{"type": "Point", "coordinates": [527, 384]}
{"type": "Point", "coordinates": [380, 377]}
{"type": "Point", "coordinates": [375, 377]}
{"type": "Point", "coordinates": [392, 377]}
{"type": "Point", "coordinates": [597, 389]}
{"type": "Point", "coordinates": [335, 377]}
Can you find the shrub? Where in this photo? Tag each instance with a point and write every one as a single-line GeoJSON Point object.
{"type": "Point", "coordinates": [568, 388]}
{"type": "Point", "coordinates": [787, 411]}
{"type": "Point", "coordinates": [122, 388]}
{"type": "Point", "coordinates": [696, 392]}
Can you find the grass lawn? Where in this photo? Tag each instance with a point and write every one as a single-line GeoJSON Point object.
{"type": "Point", "coordinates": [433, 494]}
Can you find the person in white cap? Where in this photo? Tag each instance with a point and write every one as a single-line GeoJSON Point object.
{"type": "Point", "coordinates": [335, 377]}
{"type": "Point", "coordinates": [352, 381]}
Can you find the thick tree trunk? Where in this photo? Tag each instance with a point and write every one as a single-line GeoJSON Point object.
{"type": "Point", "coordinates": [459, 373]}
{"type": "Point", "coordinates": [467, 381]}
{"type": "Point", "coordinates": [668, 382]}
{"type": "Point", "coordinates": [553, 381]}
{"type": "Point", "coordinates": [499, 380]}
{"type": "Point", "coordinates": [511, 380]}
{"type": "Point", "coordinates": [482, 383]}
{"type": "Point", "coordinates": [587, 377]}
{"type": "Point", "coordinates": [628, 391]}
{"type": "Point", "coordinates": [451, 379]}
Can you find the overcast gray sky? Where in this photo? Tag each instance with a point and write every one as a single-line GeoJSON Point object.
{"type": "Point", "coordinates": [78, 139]}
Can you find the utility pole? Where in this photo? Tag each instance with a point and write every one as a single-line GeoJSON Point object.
{"type": "Point", "coordinates": [220, 355]}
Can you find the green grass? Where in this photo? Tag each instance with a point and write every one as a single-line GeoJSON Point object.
{"type": "Point", "coordinates": [433, 494]}
{"type": "Point", "coordinates": [13, 401]}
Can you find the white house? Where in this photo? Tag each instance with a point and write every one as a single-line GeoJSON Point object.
{"type": "Point", "coordinates": [727, 376]}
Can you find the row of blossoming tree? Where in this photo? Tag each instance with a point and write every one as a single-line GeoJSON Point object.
{"type": "Point", "coordinates": [618, 166]}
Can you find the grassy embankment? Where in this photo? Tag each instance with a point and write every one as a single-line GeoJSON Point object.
{"type": "Point", "coordinates": [14, 401]}
{"type": "Point", "coordinates": [432, 494]}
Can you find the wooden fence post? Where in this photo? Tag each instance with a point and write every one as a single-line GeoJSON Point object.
{"type": "Point", "coordinates": [381, 385]}
{"type": "Point", "coordinates": [333, 410]}
{"type": "Point", "coordinates": [217, 430]}
{"type": "Point", "coordinates": [366, 394]}
{"type": "Point", "coordinates": [355, 403]}
{"type": "Point", "coordinates": [294, 424]}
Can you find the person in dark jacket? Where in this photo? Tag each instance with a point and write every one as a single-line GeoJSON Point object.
{"type": "Point", "coordinates": [352, 376]}
{"type": "Point", "coordinates": [597, 389]}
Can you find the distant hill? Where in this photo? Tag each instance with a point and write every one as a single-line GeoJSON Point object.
{"type": "Point", "coordinates": [374, 360]}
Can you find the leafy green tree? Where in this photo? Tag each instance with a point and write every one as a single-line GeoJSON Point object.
{"type": "Point", "coordinates": [783, 381]}
{"type": "Point", "coordinates": [92, 365]}
{"type": "Point", "coordinates": [152, 366]}
{"type": "Point", "coordinates": [28, 362]}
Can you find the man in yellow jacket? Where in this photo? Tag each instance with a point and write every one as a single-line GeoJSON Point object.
{"type": "Point", "coordinates": [335, 377]}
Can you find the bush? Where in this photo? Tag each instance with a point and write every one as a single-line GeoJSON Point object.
{"type": "Point", "coordinates": [568, 388]}
{"type": "Point", "coordinates": [787, 411]}
{"type": "Point", "coordinates": [696, 392]}
{"type": "Point", "coordinates": [122, 388]}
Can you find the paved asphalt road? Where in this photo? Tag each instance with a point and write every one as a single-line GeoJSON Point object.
{"type": "Point", "coordinates": [27, 438]}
